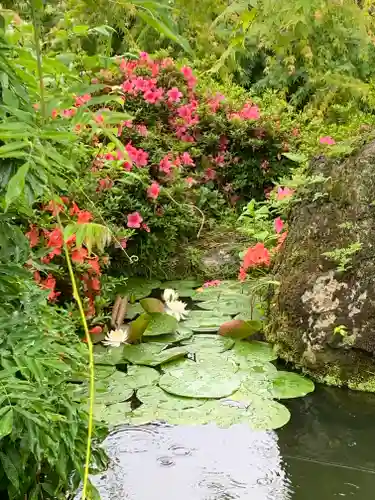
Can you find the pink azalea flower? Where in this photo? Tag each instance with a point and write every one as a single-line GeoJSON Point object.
{"type": "Point", "coordinates": [283, 193]}
{"type": "Point", "coordinates": [142, 130]}
{"type": "Point", "coordinates": [187, 72]}
{"type": "Point", "coordinates": [187, 160]}
{"type": "Point", "coordinates": [99, 118]}
{"type": "Point", "coordinates": [327, 140]}
{"type": "Point", "coordinates": [82, 99]}
{"type": "Point", "coordinates": [250, 112]}
{"type": "Point", "coordinates": [209, 174]}
{"type": "Point", "coordinates": [153, 191]}
{"type": "Point", "coordinates": [153, 96]}
{"type": "Point", "coordinates": [278, 224]}
{"type": "Point", "coordinates": [174, 95]}
{"type": "Point", "coordinates": [134, 220]}
{"type": "Point", "coordinates": [128, 123]}
{"type": "Point", "coordinates": [165, 165]}
{"type": "Point", "coordinates": [146, 228]}
{"type": "Point", "coordinates": [68, 113]}
{"type": "Point", "coordinates": [190, 181]}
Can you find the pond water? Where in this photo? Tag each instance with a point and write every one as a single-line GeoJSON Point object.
{"type": "Point", "coordinates": [325, 452]}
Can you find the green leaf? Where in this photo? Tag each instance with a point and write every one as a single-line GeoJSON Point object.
{"type": "Point", "coordinates": [7, 150]}
{"type": "Point", "coordinates": [199, 381]}
{"type": "Point", "coordinates": [108, 356]}
{"type": "Point", "coordinates": [10, 470]}
{"type": "Point", "coordinates": [184, 288]}
{"type": "Point", "coordinates": [6, 423]}
{"type": "Point", "coordinates": [133, 310]}
{"type": "Point", "coordinates": [10, 99]}
{"type": "Point", "coordinates": [114, 414]}
{"type": "Point", "coordinates": [254, 350]}
{"type": "Point", "coordinates": [152, 354]}
{"type": "Point", "coordinates": [154, 397]}
{"type": "Point", "coordinates": [227, 305]}
{"type": "Point", "coordinates": [152, 305]}
{"type": "Point", "coordinates": [208, 343]}
{"type": "Point", "coordinates": [138, 327]}
{"type": "Point", "coordinates": [138, 288]}
{"type": "Point", "coordinates": [16, 185]}
{"type": "Point", "coordinates": [239, 329]}
{"type": "Point", "coordinates": [205, 321]}
{"type": "Point", "coordinates": [172, 338]}
{"type": "Point", "coordinates": [104, 371]}
{"type": "Point", "coordinates": [161, 324]}
{"type": "Point", "coordinates": [298, 158]}
{"type": "Point", "coordinates": [291, 385]}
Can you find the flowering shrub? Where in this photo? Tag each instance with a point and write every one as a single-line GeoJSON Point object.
{"type": "Point", "coordinates": [164, 150]}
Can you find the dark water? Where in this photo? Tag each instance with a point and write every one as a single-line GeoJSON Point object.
{"type": "Point", "coordinates": [327, 451]}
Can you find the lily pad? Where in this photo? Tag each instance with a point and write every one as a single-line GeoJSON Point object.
{"type": "Point", "coordinates": [254, 350]}
{"type": "Point", "coordinates": [115, 414]}
{"type": "Point", "coordinates": [266, 414]}
{"type": "Point", "coordinates": [291, 385]}
{"type": "Point", "coordinates": [184, 288]}
{"type": "Point", "coordinates": [108, 356]}
{"type": "Point", "coordinates": [156, 398]}
{"type": "Point", "coordinates": [199, 381]}
{"type": "Point", "coordinates": [120, 386]}
{"type": "Point", "coordinates": [239, 329]}
{"type": "Point", "coordinates": [133, 310]}
{"type": "Point", "coordinates": [152, 354]}
{"type": "Point", "coordinates": [161, 324]}
{"type": "Point", "coordinates": [215, 293]}
{"type": "Point", "coordinates": [209, 343]}
{"type": "Point", "coordinates": [172, 338]}
{"type": "Point", "coordinates": [227, 305]}
{"type": "Point", "coordinates": [104, 371]}
{"type": "Point", "coordinates": [138, 288]}
{"type": "Point", "coordinates": [205, 321]}
{"type": "Point", "coordinates": [152, 305]}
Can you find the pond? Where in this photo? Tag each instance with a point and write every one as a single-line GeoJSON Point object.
{"type": "Point", "coordinates": [326, 451]}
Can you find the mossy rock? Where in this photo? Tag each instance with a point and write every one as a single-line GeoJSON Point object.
{"type": "Point", "coordinates": [316, 299]}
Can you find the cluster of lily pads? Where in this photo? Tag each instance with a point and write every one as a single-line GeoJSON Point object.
{"type": "Point", "coordinates": [198, 371]}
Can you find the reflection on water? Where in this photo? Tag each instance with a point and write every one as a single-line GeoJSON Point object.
{"type": "Point", "coordinates": [326, 452]}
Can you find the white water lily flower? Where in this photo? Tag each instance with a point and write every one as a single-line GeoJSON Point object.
{"type": "Point", "coordinates": [177, 309]}
{"type": "Point", "coordinates": [170, 295]}
{"type": "Point", "coordinates": [116, 337]}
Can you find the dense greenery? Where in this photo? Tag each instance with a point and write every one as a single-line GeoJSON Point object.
{"type": "Point", "coordinates": [130, 131]}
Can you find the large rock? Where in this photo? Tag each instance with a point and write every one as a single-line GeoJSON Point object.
{"type": "Point", "coordinates": [315, 299]}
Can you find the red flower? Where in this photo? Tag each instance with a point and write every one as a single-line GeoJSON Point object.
{"type": "Point", "coordinates": [134, 220]}
{"type": "Point", "coordinates": [209, 174]}
{"type": "Point", "coordinates": [84, 217]}
{"type": "Point", "coordinates": [142, 130]}
{"type": "Point", "coordinates": [82, 99]}
{"type": "Point", "coordinates": [153, 191]}
{"type": "Point", "coordinates": [153, 96]}
{"type": "Point", "coordinates": [33, 235]}
{"type": "Point", "coordinates": [283, 193]}
{"type": "Point", "coordinates": [54, 113]}
{"type": "Point", "coordinates": [165, 165]}
{"type": "Point", "coordinates": [55, 238]}
{"type": "Point", "coordinates": [55, 251]}
{"type": "Point", "coordinates": [75, 209]}
{"type": "Point", "coordinates": [256, 256]}
{"type": "Point", "coordinates": [250, 112]}
{"type": "Point", "coordinates": [37, 277]}
{"type": "Point", "coordinates": [53, 207]}
{"type": "Point", "coordinates": [327, 140]}
{"type": "Point", "coordinates": [106, 183]}
{"type": "Point", "coordinates": [146, 228]}
{"type": "Point", "coordinates": [280, 240]}
{"type": "Point", "coordinates": [174, 95]}
{"type": "Point", "coordinates": [94, 265]}
{"type": "Point", "coordinates": [190, 181]}
{"type": "Point", "coordinates": [99, 118]}
{"type": "Point", "coordinates": [68, 113]}
{"type": "Point", "coordinates": [95, 330]}
{"type": "Point", "coordinates": [278, 224]}
{"type": "Point", "coordinates": [95, 284]}
{"type": "Point", "coordinates": [187, 160]}
{"type": "Point", "coordinates": [242, 274]}
{"type": "Point", "coordinates": [79, 255]}
{"type": "Point", "coordinates": [71, 239]}
{"type": "Point", "coordinates": [49, 284]}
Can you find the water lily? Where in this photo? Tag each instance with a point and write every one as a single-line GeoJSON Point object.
{"type": "Point", "coordinates": [116, 337]}
{"type": "Point", "coordinates": [170, 295]}
{"type": "Point", "coordinates": [177, 309]}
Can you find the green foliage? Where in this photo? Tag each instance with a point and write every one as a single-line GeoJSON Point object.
{"type": "Point", "coordinates": [43, 428]}
{"type": "Point", "coordinates": [343, 256]}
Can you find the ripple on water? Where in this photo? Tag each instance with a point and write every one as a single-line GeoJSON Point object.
{"type": "Point", "coordinates": [192, 463]}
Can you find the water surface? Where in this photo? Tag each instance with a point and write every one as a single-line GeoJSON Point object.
{"type": "Point", "coordinates": [326, 452]}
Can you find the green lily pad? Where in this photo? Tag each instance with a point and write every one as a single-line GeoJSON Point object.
{"type": "Point", "coordinates": [120, 386]}
{"type": "Point", "coordinates": [160, 324]}
{"type": "Point", "coordinates": [291, 385]}
{"type": "Point", "coordinates": [138, 327]}
{"type": "Point", "coordinates": [254, 314]}
{"type": "Point", "coordinates": [152, 354]}
{"type": "Point", "coordinates": [199, 381]}
{"type": "Point", "coordinates": [138, 288]}
{"type": "Point", "coordinates": [172, 338]}
{"type": "Point", "coordinates": [115, 414]}
{"type": "Point", "coordinates": [215, 293]}
{"type": "Point", "coordinates": [184, 288]}
{"type": "Point", "coordinates": [108, 356]}
{"type": "Point", "coordinates": [266, 414]}
{"type": "Point", "coordinates": [133, 310]}
{"type": "Point", "coordinates": [254, 350]}
{"type": "Point", "coordinates": [156, 398]}
{"type": "Point", "coordinates": [227, 305]}
{"type": "Point", "coordinates": [152, 305]}
{"type": "Point", "coordinates": [104, 371]}
{"type": "Point", "coordinates": [209, 343]}
{"type": "Point", "coordinates": [205, 321]}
